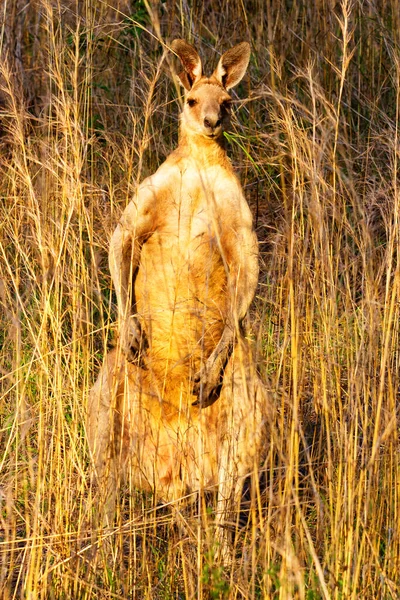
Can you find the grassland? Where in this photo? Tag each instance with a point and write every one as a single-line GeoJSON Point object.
{"type": "Point", "coordinates": [88, 107]}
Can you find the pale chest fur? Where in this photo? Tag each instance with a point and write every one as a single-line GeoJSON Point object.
{"type": "Point", "coordinates": [190, 201]}
{"type": "Point", "coordinates": [181, 282]}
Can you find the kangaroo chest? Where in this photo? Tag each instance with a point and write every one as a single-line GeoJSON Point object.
{"type": "Point", "coordinates": [180, 286]}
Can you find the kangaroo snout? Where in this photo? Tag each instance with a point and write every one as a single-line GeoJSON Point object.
{"type": "Point", "coordinates": [212, 122]}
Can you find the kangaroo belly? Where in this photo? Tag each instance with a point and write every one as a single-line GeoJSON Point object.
{"type": "Point", "coordinates": [172, 451]}
{"type": "Point", "coordinates": [180, 294]}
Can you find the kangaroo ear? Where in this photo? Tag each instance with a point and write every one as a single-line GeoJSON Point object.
{"type": "Point", "coordinates": [190, 61]}
{"type": "Point", "coordinates": [232, 65]}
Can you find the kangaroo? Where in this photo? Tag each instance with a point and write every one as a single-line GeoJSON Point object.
{"type": "Point", "coordinates": [178, 404]}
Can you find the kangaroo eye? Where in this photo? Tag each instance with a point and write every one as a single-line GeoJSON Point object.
{"type": "Point", "coordinates": [191, 102]}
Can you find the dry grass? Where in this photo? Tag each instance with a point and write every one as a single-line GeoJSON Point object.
{"type": "Point", "coordinates": [87, 110]}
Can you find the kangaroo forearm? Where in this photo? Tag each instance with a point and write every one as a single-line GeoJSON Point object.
{"type": "Point", "coordinates": [244, 293]}
{"type": "Point", "coordinates": [133, 229]}
{"type": "Point", "coordinates": [243, 278]}
{"type": "Point", "coordinates": [121, 268]}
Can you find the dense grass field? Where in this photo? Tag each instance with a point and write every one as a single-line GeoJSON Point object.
{"type": "Point", "coordinates": [89, 107]}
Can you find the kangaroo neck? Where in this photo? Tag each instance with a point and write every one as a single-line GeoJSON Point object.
{"type": "Point", "coordinates": [205, 151]}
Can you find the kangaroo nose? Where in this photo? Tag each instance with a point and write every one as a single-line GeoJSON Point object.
{"type": "Point", "coordinates": [211, 123]}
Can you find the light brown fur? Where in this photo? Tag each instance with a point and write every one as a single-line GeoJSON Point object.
{"type": "Point", "coordinates": [187, 413]}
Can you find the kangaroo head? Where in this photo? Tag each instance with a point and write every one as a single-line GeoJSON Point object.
{"type": "Point", "coordinates": [207, 103]}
